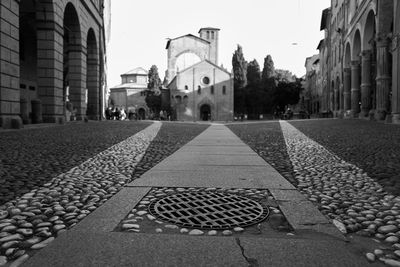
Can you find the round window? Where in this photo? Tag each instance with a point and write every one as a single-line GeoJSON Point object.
{"type": "Point", "coordinates": [205, 80]}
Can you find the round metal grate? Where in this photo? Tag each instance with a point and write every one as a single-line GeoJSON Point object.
{"type": "Point", "coordinates": [209, 210]}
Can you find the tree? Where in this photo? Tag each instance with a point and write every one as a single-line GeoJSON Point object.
{"type": "Point", "coordinates": [253, 73]}
{"type": "Point", "coordinates": [268, 84]}
{"type": "Point", "coordinates": [254, 91]}
{"type": "Point", "coordinates": [287, 93]}
{"type": "Point", "coordinates": [153, 94]}
{"type": "Point", "coordinates": [154, 79]}
{"type": "Point", "coordinates": [239, 66]}
{"type": "Point", "coordinates": [269, 69]}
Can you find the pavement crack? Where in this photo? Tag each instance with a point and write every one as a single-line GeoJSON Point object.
{"type": "Point", "coordinates": [251, 261]}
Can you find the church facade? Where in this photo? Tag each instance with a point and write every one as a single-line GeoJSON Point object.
{"type": "Point", "coordinates": [199, 88]}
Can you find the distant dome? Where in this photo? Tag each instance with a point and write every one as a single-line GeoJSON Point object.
{"type": "Point", "coordinates": [138, 71]}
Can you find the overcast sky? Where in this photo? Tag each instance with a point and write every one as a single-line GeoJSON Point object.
{"type": "Point", "coordinates": [140, 30]}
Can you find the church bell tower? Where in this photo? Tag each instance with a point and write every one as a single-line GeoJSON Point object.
{"type": "Point", "coordinates": [211, 35]}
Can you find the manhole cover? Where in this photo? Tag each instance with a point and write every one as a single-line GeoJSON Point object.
{"type": "Point", "coordinates": [209, 210]}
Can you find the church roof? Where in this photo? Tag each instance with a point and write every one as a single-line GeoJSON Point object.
{"type": "Point", "coordinates": [209, 28]}
{"type": "Point", "coordinates": [130, 86]}
{"type": "Point", "coordinates": [209, 62]}
{"type": "Point", "coordinates": [137, 71]}
{"type": "Point", "coordinates": [187, 35]}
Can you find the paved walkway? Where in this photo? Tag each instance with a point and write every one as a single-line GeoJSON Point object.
{"type": "Point", "coordinates": [216, 158]}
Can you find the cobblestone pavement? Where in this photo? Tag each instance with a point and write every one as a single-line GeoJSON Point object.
{"type": "Point", "coordinates": [171, 137]}
{"type": "Point", "coordinates": [373, 147]}
{"type": "Point", "coordinates": [30, 158]}
{"type": "Point", "coordinates": [335, 174]}
{"type": "Point", "coordinates": [266, 139]}
{"type": "Point", "coordinates": [32, 221]}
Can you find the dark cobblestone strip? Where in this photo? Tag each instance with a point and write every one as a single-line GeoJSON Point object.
{"type": "Point", "coordinates": [170, 138]}
{"type": "Point", "coordinates": [266, 140]}
{"type": "Point", "coordinates": [31, 158]}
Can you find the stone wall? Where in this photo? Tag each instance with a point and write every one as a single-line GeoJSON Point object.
{"type": "Point", "coordinates": [51, 19]}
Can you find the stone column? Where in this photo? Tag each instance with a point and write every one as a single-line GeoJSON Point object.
{"type": "Point", "coordinates": [382, 80]}
{"type": "Point", "coordinates": [365, 83]}
{"type": "Point", "coordinates": [347, 88]}
{"type": "Point", "coordinates": [336, 99]}
{"type": "Point", "coordinates": [396, 80]}
{"type": "Point", "coordinates": [355, 87]}
{"type": "Point", "coordinates": [50, 70]}
{"type": "Point", "coordinates": [341, 100]}
{"type": "Point", "coordinates": [9, 71]}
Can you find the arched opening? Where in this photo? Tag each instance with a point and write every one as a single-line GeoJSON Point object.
{"type": "Point", "coordinates": [185, 100]}
{"type": "Point", "coordinates": [356, 75]}
{"type": "Point", "coordinates": [28, 59]}
{"type": "Point", "coordinates": [72, 81]}
{"type": "Point", "coordinates": [368, 83]}
{"type": "Point", "coordinates": [141, 114]}
{"type": "Point", "coordinates": [185, 60]}
{"type": "Point", "coordinates": [347, 79]}
{"type": "Point", "coordinates": [92, 77]}
{"type": "Point", "coordinates": [205, 112]}
{"type": "Point", "coordinates": [337, 94]}
{"type": "Point", "coordinates": [332, 96]}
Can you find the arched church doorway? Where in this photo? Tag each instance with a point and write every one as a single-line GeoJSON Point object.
{"type": "Point", "coordinates": [142, 114]}
{"type": "Point", "coordinates": [205, 112]}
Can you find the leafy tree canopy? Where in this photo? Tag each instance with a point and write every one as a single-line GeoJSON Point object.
{"type": "Point", "coordinates": [154, 78]}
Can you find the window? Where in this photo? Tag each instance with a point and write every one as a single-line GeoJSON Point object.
{"type": "Point", "coordinates": [208, 34]}
{"type": "Point", "coordinates": [212, 35]}
{"type": "Point", "coordinates": [199, 90]}
{"type": "Point", "coordinates": [186, 87]}
{"type": "Point", "coordinates": [212, 90]}
{"type": "Point", "coordinates": [205, 80]}
{"type": "Point", "coordinates": [224, 90]}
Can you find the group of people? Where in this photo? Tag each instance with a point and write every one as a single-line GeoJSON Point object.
{"type": "Point", "coordinates": [115, 113]}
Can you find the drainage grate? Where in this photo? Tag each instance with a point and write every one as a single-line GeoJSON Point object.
{"type": "Point", "coordinates": [209, 210]}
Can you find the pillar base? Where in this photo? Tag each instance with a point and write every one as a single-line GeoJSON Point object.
{"type": "Point", "coordinates": [380, 115]}
{"type": "Point", "coordinates": [396, 118]}
{"type": "Point", "coordinates": [94, 117]}
{"type": "Point", "coordinates": [354, 114]}
{"type": "Point", "coordinates": [389, 118]}
{"type": "Point", "coordinates": [54, 119]}
{"type": "Point", "coordinates": [11, 122]}
{"type": "Point", "coordinates": [347, 114]}
{"type": "Point", "coordinates": [364, 114]}
{"type": "Point", "coordinates": [371, 115]}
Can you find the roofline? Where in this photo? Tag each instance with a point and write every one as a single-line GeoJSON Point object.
{"type": "Point", "coordinates": [208, 61]}
{"type": "Point", "coordinates": [186, 35]}
{"type": "Point", "coordinates": [325, 13]}
{"type": "Point", "coordinates": [320, 44]}
{"type": "Point", "coordinates": [209, 28]}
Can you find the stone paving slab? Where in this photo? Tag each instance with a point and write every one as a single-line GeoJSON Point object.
{"type": "Point", "coordinates": [303, 252]}
{"type": "Point", "coordinates": [219, 150]}
{"type": "Point", "coordinates": [120, 249]}
{"type": "Point", "coordinates": [106, 217]}
{"type": "Point", "coordinates": [214, 176]}
{"type": "Point", "coordinates": [191, 160]}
